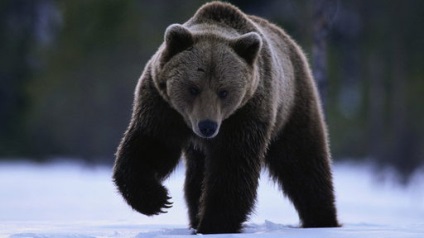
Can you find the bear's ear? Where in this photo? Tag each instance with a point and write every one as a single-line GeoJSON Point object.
{"type": "Point", "coordinates": [247, 46]}
{"type": "Point", "coordinates": [177, 39]}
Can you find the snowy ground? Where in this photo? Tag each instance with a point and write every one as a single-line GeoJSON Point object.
{"type": "Point", "coordinates": [73, 201]}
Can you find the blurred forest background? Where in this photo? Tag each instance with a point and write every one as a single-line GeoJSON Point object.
{"type": "Point", "coordinates": [68, 71]}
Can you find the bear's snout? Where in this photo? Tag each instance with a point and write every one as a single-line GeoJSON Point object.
{"type": "Point", "coordinates": [207, 128]}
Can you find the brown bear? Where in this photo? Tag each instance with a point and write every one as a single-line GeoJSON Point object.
{"type": "Point", "coordinates": [232, 93]}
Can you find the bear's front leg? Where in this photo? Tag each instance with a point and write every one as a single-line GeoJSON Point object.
{"type": "Point", "coordinates": [231, 179]}
{"type": "Point", "coordinates": [149, 150]}
{"type": "Point", "coordinates": [195, 166]}
{"type": "Point", "coordinates": [141, 164]}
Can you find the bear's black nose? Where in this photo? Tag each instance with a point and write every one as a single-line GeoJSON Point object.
{"type": "Point", "coordinates": [207, 127]}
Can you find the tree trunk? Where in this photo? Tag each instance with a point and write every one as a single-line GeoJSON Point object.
{"type": "Point", "coordinates": [319, 50]}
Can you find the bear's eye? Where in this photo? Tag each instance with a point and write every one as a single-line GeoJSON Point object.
{"type": "Point", "coordinates": [194, 91]}
{"type": "Point", "coordinates": [223, 94]}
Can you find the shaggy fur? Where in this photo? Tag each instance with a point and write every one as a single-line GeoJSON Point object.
{"type": "Point", "coordinates": [233, 93]}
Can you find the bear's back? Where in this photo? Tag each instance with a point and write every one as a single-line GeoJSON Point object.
{"type": "Point", "coordinates": [223, 14]}
{"type": "Point", "coordinates": [225, 18]}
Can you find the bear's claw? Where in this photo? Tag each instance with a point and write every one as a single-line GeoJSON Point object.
{"type": "Point", "coordinates": [152, 201]}
{"type": "Point", "coordinates": [166, 205]}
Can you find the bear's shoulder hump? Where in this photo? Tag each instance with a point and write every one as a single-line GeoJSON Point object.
{"type": "Point", "coordinates": [223, 13]}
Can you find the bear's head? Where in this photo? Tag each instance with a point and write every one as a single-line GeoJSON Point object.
{"type": "Point", "coordinates": [206, 77]}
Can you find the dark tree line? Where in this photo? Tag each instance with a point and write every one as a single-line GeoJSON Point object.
{"type": "Point", "coordinates": [68, 70]}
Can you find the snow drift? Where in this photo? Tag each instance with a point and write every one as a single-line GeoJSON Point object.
{"type": "Point", "coordinates": [71, 200]}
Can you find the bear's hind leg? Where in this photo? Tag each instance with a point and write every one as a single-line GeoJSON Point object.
{"type": "Point", "coordinates": [195, 166]}
{"type": "Point", "coordinates": [299, 161]}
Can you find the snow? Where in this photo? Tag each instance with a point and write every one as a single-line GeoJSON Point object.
{"type": "Point", "coordinates": [71, 200]}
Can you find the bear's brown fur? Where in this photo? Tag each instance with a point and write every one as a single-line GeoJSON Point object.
{"type": "Point", "coordinates": [232, 92]}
